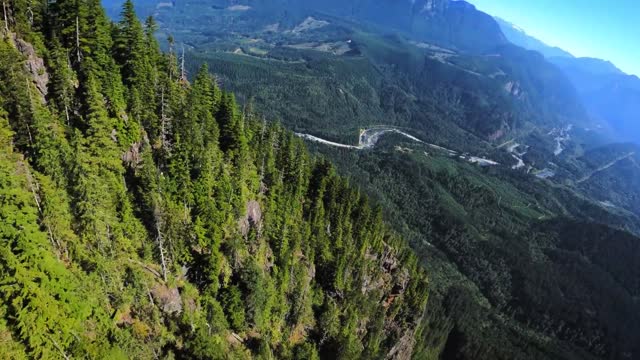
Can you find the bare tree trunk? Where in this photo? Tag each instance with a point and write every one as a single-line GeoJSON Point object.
{"type": "Point", "coordinates": [55, 343]}
{"type": "Point", "coordinates": [145, 266]}
{"type": "Point", "coordinates": [78, 39]}
{"type": "Point", "coordinates": [6, 22]}
{"type": "Point", "coordinates": [30, 14]}
{"type": "Point", "coordinates": [31, 109]}
{"type": "Point", "coordinates": [33, 185]}
{"type": "Point", "coordinates": [160, 239]}
{"type": "Point", "coordinates": [65, 94]}
{"type": "Point", "coordinates": [264, 128]}
{"type": "Point", "coordinates": [66, 114]}
{"type": "Point", "coordinates": [171, 60]}
{"type": "Point", "coordinates": [165, 124]}
{"type": "Point", "coordinates": [183, 72]}
{"type": "Point", "coordinates": [163, 129]}
{"type": "Point", "coordinates": [162, 259]}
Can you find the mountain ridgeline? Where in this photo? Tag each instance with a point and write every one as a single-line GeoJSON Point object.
{"type": "Point", "coordinates": [518, 37]}
{"type": "Point", "coordinates": [147, 216]}
{"type": "Point", "coordinates": [610, 95]}
{"type": "Point", "coordinates": [442, 22]}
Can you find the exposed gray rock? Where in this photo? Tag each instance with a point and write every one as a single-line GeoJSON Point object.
{"type": "Point", "coordinates": [132, 157]}
{"type": "Point", "coordinates": [252, 219]}
{"type": "Point", "coordinates": [168, 299]}
{"type": "Point", "coordinates": [34, 65]}
{"type": "Point", "coordinates": [403, 348]}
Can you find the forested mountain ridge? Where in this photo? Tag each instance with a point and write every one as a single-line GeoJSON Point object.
{"type": "Point", "coordinates": [611, 96]}
{"type": "Point", "coordinates": [455, 24]}
{"type": "Point", "coordinates": [147, 216]}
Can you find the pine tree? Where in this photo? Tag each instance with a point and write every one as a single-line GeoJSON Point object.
{"type": "Point", "coordinates": [69, 22]}
{"type": "Point", "coordinates": [232, 137]}
{"type": "Point", "coordinates": [138, 55]}
{"type": "Point", "coordinates": [63, 83]}
{"type": "Point", "coordinates": [14, 93]}
{"type": "Point", "coordinates": [129, 46]}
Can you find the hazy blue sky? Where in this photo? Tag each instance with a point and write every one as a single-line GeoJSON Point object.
{"type": "Point", "coordinates": [606, 29]}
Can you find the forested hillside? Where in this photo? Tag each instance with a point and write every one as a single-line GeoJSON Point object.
{"type": "Point", "coordinates": [144, 215]}
{"type": "Point", "coordinates": [524, 253]}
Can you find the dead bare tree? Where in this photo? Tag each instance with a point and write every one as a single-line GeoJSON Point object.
{"type": "Point", "coordinates": [160, 239]}
{"type": "Point", "coordinates": [78, 53]}
{"type": "Point", "coordinates": [35, 190]}
{"type": "Point", "coordinates": [6, 21]}
{"type": "Point", "coordinates": [26, 123]}
{"type": "Point", "coordinates": [30, 15]}
{"type": "Point", "coordinates": [264, 156]}
{"type": "Point", "coordinates": [183, 71]}
{"type": "Point", "coordinates": [171, 57]}
{"type": "Point", "coordinates": [165, 124]}
{"type": "Point", "coordinates": [158, 216]}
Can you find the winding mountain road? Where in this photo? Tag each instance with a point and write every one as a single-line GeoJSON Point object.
{"type": "Point", "coordinates": [369, 138]}
{"type": "Point", "coordinates": [605, 167]}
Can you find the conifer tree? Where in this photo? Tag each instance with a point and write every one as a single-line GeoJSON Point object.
{"type": "Point", "coordinates": [62, 83]}
{"type": "Point", "coordinates": [232, 137]}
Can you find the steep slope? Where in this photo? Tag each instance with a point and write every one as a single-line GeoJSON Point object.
{"type": "Point", "coordinates": [587, 65]}
{"type": "Point", "coordinates": [145, 216]}
{"type": "Point", "coordinates": [503, 279]}
{"type": "Point", "coordinates": [455, 24]}
{"type": "Point", "coordinates": [521, 268]}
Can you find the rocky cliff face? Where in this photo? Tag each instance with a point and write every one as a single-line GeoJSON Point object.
{"type": "Point", "coordinates": [434, 5]}
{"type": "Point", "coordinates": [34, 65]}
{"type": "Point", "coordinates": [457, 24]}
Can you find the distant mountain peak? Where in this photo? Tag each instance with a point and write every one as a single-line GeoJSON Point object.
{"type": "Point", "coordinates": [558, 56]}
{"type": "Point", "coordinates": [519, 36]}
{"type": "Point", "coordinates": [517, 28]}
{"type": "Point", "coordinates": [588, 65]}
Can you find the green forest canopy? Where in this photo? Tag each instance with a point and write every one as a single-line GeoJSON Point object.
{"type": "Point", "coordinates": [146, 216]}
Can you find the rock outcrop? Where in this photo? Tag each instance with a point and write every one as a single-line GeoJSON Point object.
{"type": "Point", "coordinates": [168, 299]}
{"type": "Point", "coordinates": [34, 66]}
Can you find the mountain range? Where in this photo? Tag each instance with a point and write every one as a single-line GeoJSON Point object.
{"type": "Point", "coordinates": [611, 96]}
